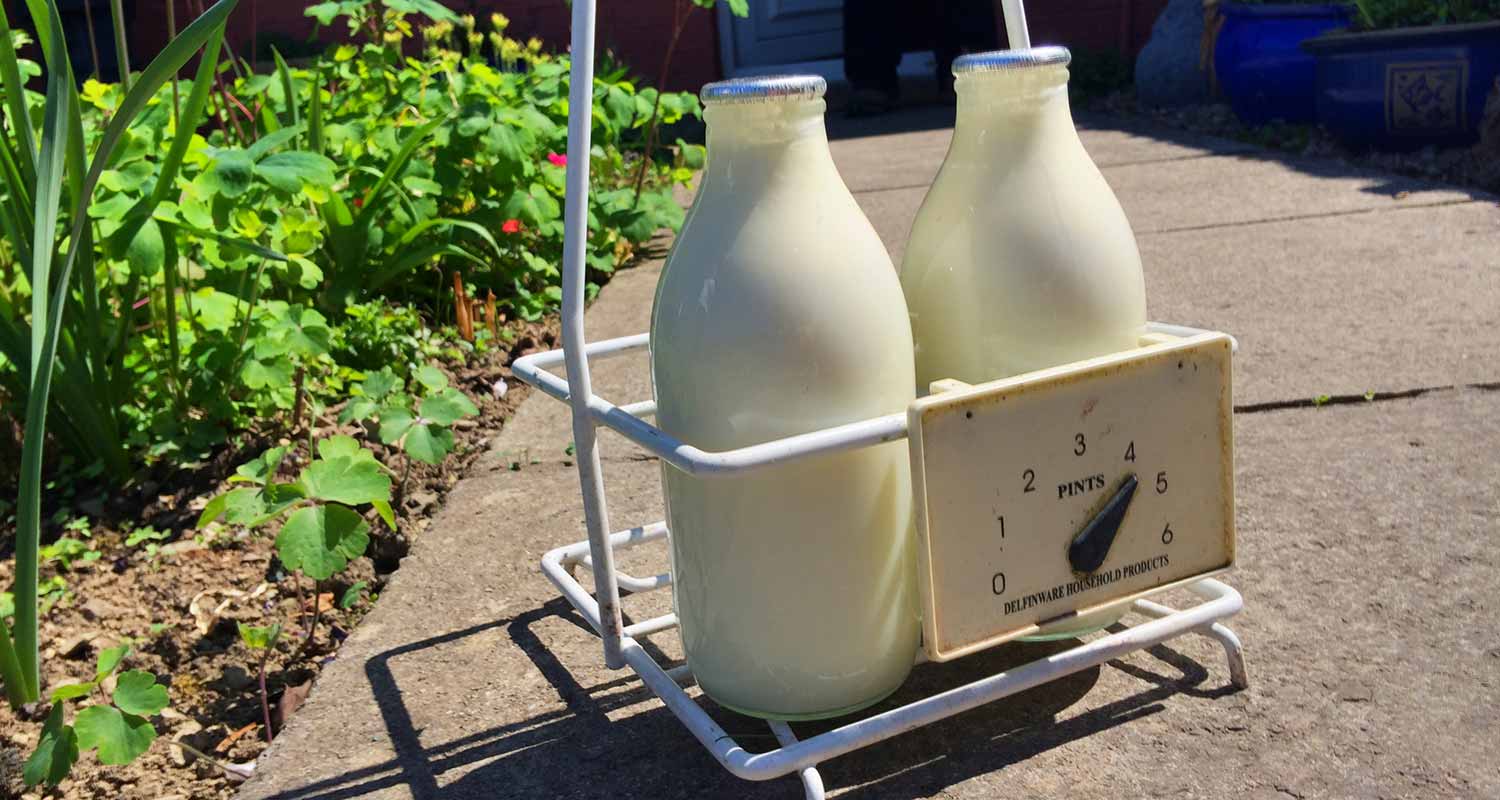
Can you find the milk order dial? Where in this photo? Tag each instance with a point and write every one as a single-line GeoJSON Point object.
{"type": "Point", "coordinates": [1047, 502]}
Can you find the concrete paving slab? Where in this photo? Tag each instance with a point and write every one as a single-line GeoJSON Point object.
{"type": "Point", "coordinates": [1365, 557]}
{"type": "Point", "coordinates": [1367, 569]}
{"type": "Point", "coordinates": [910, 158]}
{"type": "Point", "coordinates": [1378, 302]}
{"type": "Point", "coordinates": [1205, 192]}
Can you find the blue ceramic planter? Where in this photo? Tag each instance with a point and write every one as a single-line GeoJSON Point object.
{"type": "Point", "coordinates": [1260, 64]}
{"type": "Point", "coordinates": [1406, 88]}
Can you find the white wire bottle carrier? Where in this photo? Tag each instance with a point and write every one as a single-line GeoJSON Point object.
{"type": "Point", "coordinates": [602, 609]}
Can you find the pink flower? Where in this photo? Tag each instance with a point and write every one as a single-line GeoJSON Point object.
{"type": "Point", "coordinates": [511, 226]}
{"type": "Point", "coordinates": [557, 160]}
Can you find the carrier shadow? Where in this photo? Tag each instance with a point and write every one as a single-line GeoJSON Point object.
{"type": "Point", "coordinates": [579, 751]}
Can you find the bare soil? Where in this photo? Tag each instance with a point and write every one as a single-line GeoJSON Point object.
{"type": "Point", "coordinates": [178, 606]}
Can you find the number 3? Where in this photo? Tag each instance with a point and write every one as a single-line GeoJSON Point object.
{"type": "Point", "coordinates": [1081, 446]}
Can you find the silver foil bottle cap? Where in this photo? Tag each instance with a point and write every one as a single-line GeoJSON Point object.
{"type": "Point", "coordinates": [766, 87]}
{"type": "Point", "coordinates": [1005, 60]}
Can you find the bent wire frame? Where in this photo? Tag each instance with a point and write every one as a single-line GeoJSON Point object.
{"type": "Point", "coordinates": [601, 609]}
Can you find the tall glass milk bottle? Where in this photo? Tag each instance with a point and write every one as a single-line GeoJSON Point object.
{"type": "Point", "coordinates": [779, 313]}
{"type": "Point", "coordinates": [1020, 257]}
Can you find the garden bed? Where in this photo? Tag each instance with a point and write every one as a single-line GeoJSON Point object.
{"type": "Point", "coordinates": [177, 601]}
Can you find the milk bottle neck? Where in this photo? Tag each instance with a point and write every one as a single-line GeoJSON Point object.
{"type": "Point", "coordinates": [1014, 114]}
{"type": "Point", "coordinates": [754, 142]}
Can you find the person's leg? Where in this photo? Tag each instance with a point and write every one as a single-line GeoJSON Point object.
{"type": "Point", "coordinates": [964, 26]}
{"type": "Point", "coordinates": [872, 51]}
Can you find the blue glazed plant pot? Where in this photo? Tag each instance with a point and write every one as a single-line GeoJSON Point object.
{"type": "Point", "coordinates": [1259, 62]}
{"type": "Point", "coordinates": [1406, 88]}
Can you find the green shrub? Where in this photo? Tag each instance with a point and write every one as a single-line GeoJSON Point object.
{"type": "Point", "coordinates": [234, 274]}
{"type": "Point", "coordinates": [1381, 14]}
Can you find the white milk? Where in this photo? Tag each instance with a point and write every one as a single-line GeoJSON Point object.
{"type": "Point", "coordinates": [779, 313]}
{"type": "Point", "coordinates": [1020, 257]}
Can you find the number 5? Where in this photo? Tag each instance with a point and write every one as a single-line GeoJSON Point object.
{"type": "Point", "coordinates": [1161, 483]}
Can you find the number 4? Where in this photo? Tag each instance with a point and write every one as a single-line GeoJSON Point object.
{"type": "Point", "coordinates": [1130, 452]}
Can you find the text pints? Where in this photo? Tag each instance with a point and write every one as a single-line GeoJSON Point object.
{"type": "Point", "coordinates": [1081, 486]}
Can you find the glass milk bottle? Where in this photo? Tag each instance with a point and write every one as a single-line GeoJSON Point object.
{"type": "Point", "coordinates": [779, 313]}
{"type": "Point", "coordinates": [1020, 257]}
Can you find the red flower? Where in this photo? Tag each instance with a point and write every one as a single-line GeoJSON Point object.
{"type": "Point", "coordinates": [557, 160]}
{"type": "Point", "coordinates": [511, 226]}
{"type": "Point", "coordinates": [359, 202]}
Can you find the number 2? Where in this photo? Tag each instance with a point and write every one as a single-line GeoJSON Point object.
{"type": "Point", "coordinates": [1030, 476]}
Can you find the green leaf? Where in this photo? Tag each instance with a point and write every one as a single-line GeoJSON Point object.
{"type": "Point", "coordinates": [358, 410]}
{"type": "Point", "coordinates": [320, 540]}
{"type": "Point", "coordinates": [428, 443]}
{"type": "Point", "coordinates": [351, 596]}
{"type": "Point", "coordinates": [260, 469]}
{"type": "Point", "coordinates": [259, 375]}
{"type": "Point", "coordinates": [234, 169]}
{"type": "Point", "coordinates": [109, 660]}
{"type": "Point", "coordinates": [431, 377]}
{"type": "Point", "coordinates": [394, 423]}
{"type": "Point", "coordinates": [271, 141]}
{"type": "Point", "coordinates": [259, 638]}
{"type": "Point", "coordinates": [447, 407]}
{"type": "Point", "coordinates": [342, 445]}
{"type": "Point", "coordinates": [146, 253]}
{"type": "Point", "coordinates": [291, 170]}
{"type": "Point", "coordinates": [379, 384]}
{"type": "Point", "coordinates": [346, 479]}
{"type": "Point", "coordinates": [383, 508]}
{"type": "Point", "coordinates": [119, 737]}
{"type": "Point", "coordinates": [69, 691]}
{"type": "Point", "coordinates": [55, 754]}
{"type": "Point", "coordinates": [137, 692]}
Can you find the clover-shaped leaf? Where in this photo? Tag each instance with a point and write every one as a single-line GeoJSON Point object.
{"type": "Point", "coordinates": [321, 540]}
{"type": "Point", "coordinates": [118, 736]}
{"type": "Point", "coordinates": [429, 444]}
{"type": "Point", "coordinates": [137, 692]}
{"type": "Point", "coordinates": [259, 638]}
{"type": "Point", "coordinates": [447, 407]}
{"type": "Point", "coordinates": [394, 423]}
{"type": "Point", "coordinates": [346, 479]}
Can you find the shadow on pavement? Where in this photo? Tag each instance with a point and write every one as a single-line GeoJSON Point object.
{"type": "Point", "coordinates": [580, 751]}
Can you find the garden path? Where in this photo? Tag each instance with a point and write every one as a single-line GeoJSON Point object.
{"type": "Point", "coordinates": [1366, 538]}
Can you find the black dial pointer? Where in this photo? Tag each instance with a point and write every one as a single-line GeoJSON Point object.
{"type": "Point", "coordinates": [1088, 549]}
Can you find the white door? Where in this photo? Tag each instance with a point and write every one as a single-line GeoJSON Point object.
{"type": "Point", "coordinates": [781, 32]}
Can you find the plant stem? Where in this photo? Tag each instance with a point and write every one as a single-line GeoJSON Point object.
{"type": "Point", "coordinates": [317, 617]}
{"type": "Point", "coordinates": [300, 397]}
{"type": "Point", "coordinates": [122, 53]}
{"type": "Point", "coordinates": [88, 19]}
{"type": "Point", "coordinates": [679, 24]}
{"type": "Point", "coordinates": [265, 700]}
{"type": "Point", "coordinates": [171, 34]}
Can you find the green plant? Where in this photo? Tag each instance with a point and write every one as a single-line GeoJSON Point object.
{"type": "Point", "coordinates": [419, 424]}
{"type": "Point", "coordinates": [321, 528]}
{"type": "Point", "coordinates": [149, 537]}
{"type": "Point", "coordinates": [35, 174]}
{"type": "Point", "coordinates": [116, 724]}
{"type": "Point", "coordinates": [262, 639]}
{"type": "Point", "coordinates": [1382, 14]}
